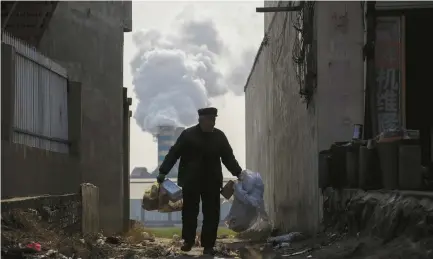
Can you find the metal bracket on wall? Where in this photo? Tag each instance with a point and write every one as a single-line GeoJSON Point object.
{"type": "Point", "coordinates": [294, 6]}
{"type": "Point", "coordinates": [279, 9]}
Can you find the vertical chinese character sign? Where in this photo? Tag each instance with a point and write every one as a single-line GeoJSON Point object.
{"type": "Point", "coordinates": [388, 72]}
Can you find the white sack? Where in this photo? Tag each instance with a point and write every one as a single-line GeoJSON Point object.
{"type": "Point", "coordinates": [247, 214]}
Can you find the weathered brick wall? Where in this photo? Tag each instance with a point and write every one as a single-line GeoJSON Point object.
{"type": "Point", "coordinates": [60, 211]}
{"type": "Point", "coordinates": [28, 171]}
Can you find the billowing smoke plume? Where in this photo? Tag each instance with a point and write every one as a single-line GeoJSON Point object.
{"type": "Point", "coordinates": [175, 75]}
{"type": "Point", "coordinates": [239, 75]}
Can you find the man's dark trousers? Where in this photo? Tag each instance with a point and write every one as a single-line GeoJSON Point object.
{"type": "Point", "coordinates": [210, 196]}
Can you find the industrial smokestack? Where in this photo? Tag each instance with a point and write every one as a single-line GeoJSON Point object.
{"type": "Point", "coordinates": [166, 137]}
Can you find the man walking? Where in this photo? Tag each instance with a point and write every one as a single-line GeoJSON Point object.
{"type": "Point", "coordinates": [201, 149]}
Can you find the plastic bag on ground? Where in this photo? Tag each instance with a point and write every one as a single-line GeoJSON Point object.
{"type": "Point", "coordinates": [247, 215]}
{"type": "Point", "coordinates": [155, 198]}
{"type": "Point", "coordinates": [288, 238]}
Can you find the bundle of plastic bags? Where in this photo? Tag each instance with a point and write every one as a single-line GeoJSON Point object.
{"type": "Point", "coordinates": [247, 215]}
{"type": "Point", "coordinates": [155, 198]}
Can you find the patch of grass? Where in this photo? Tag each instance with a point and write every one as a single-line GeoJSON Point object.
{"type": "Point", "coordinates": [164, 232]}
{"type": "Point", "coordinates": [136, 232]}
{"type": "Point", "coordinates": [222, 231]}
{"type": "Point", "coordinates": [168, 232]}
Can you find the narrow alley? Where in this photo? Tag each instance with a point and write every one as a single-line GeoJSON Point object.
{"type": "Point", "coordinates": [284, 129]}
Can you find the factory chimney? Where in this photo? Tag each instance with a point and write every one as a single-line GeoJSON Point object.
{"type": "Point", "coordinates": [166, 137]}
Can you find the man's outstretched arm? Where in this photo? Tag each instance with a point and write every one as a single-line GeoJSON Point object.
{"type": "Point", "coordinates": [228, 158]}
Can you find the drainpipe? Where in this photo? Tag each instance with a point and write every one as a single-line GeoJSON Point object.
{"type": "Point", "coordinates": [126, 137]}
{"type": "Point", "coordinates": [370, 113]}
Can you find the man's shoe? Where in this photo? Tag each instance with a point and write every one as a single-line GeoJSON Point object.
{"type": "Point", "coordinates": [186, 247]}
{"type": "Point", "coordinates": [208, 251]}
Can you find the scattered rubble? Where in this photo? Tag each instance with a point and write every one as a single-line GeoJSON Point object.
{"type": "Point", "coordinates": [293, 236]}
{"type": "Point", "coordinates": [374, 225]}
{"type": "Point", "coordinates": [25, 235]}
{"type": "Point", "coordinates": [360, 225]}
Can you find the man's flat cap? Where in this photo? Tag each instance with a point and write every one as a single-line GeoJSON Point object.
{"type": "Point", "coordinates": [208, 111]}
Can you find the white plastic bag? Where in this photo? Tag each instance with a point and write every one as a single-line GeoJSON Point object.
{"type": "Point", "coordinates": [247, 214]}
{"type": "Point", "coordinates": [250, 190]}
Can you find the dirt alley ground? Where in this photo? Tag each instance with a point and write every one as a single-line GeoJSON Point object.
{"type": "Point", "coordinates": [340, 246]}
{"type": "Point", "coordinates": [21, 228]}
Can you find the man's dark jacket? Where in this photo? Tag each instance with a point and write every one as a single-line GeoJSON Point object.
{"type": "Point", "coordinates": [200, 156]}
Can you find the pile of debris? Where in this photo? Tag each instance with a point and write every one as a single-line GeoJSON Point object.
{"type": "Point", "coordinates": [26, 235]}
{"type": "Point", "coordinates": [386, 215]}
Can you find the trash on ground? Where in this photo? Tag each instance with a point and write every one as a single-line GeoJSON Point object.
{"type": "Point", "coordinates": [35, 246]}
{"type": "Point", "coordinates": [225, 236]}
{"type": "Point", "coordinates": [24, 235]}
{"type": "Point", "coordinates": [288, 238]}
{"type": "Point", "coordinates": [283, 245]}
{"type": "Point", "coordinates": [100, 242]}
{"type": "Point", "coordinates": [176, 237]}
{"type": "Point", "coordinates": [299, 253]}
{"type": "Point", "coordinates": [197, 241]}
{"type": "Point", "coordinates": [113, 240]}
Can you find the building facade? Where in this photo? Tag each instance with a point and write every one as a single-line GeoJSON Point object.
{"type": "Point", "coordinates": [85, 39]}
{"type": "Point", "coordinates": [312, 80]}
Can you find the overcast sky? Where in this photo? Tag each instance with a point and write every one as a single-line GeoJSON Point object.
{"type": "Point", "coordinates": [224, 34]}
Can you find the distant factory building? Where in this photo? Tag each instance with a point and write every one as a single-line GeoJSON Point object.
{"type": "Point", "coordinates": [140, 172]}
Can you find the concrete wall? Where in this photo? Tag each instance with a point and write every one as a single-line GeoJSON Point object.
{"type": "Point", "coordinates": [60, 211]}
{"type": "Point", "coordinates": [28, 171]}
{"type": "Point", "coordinates": [87, 39]}
{"type": "Point", "coordinates": [283, 136]}
{"type": "Point", "coordinates": [340, 91]}
{"type": "Point", "coordinates": [281, 133]}
{"type": "Point", "coordinates": [74, 212]}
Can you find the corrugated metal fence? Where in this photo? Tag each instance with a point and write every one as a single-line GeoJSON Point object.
{"type": "Point", "coordinates": [41, 99]}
